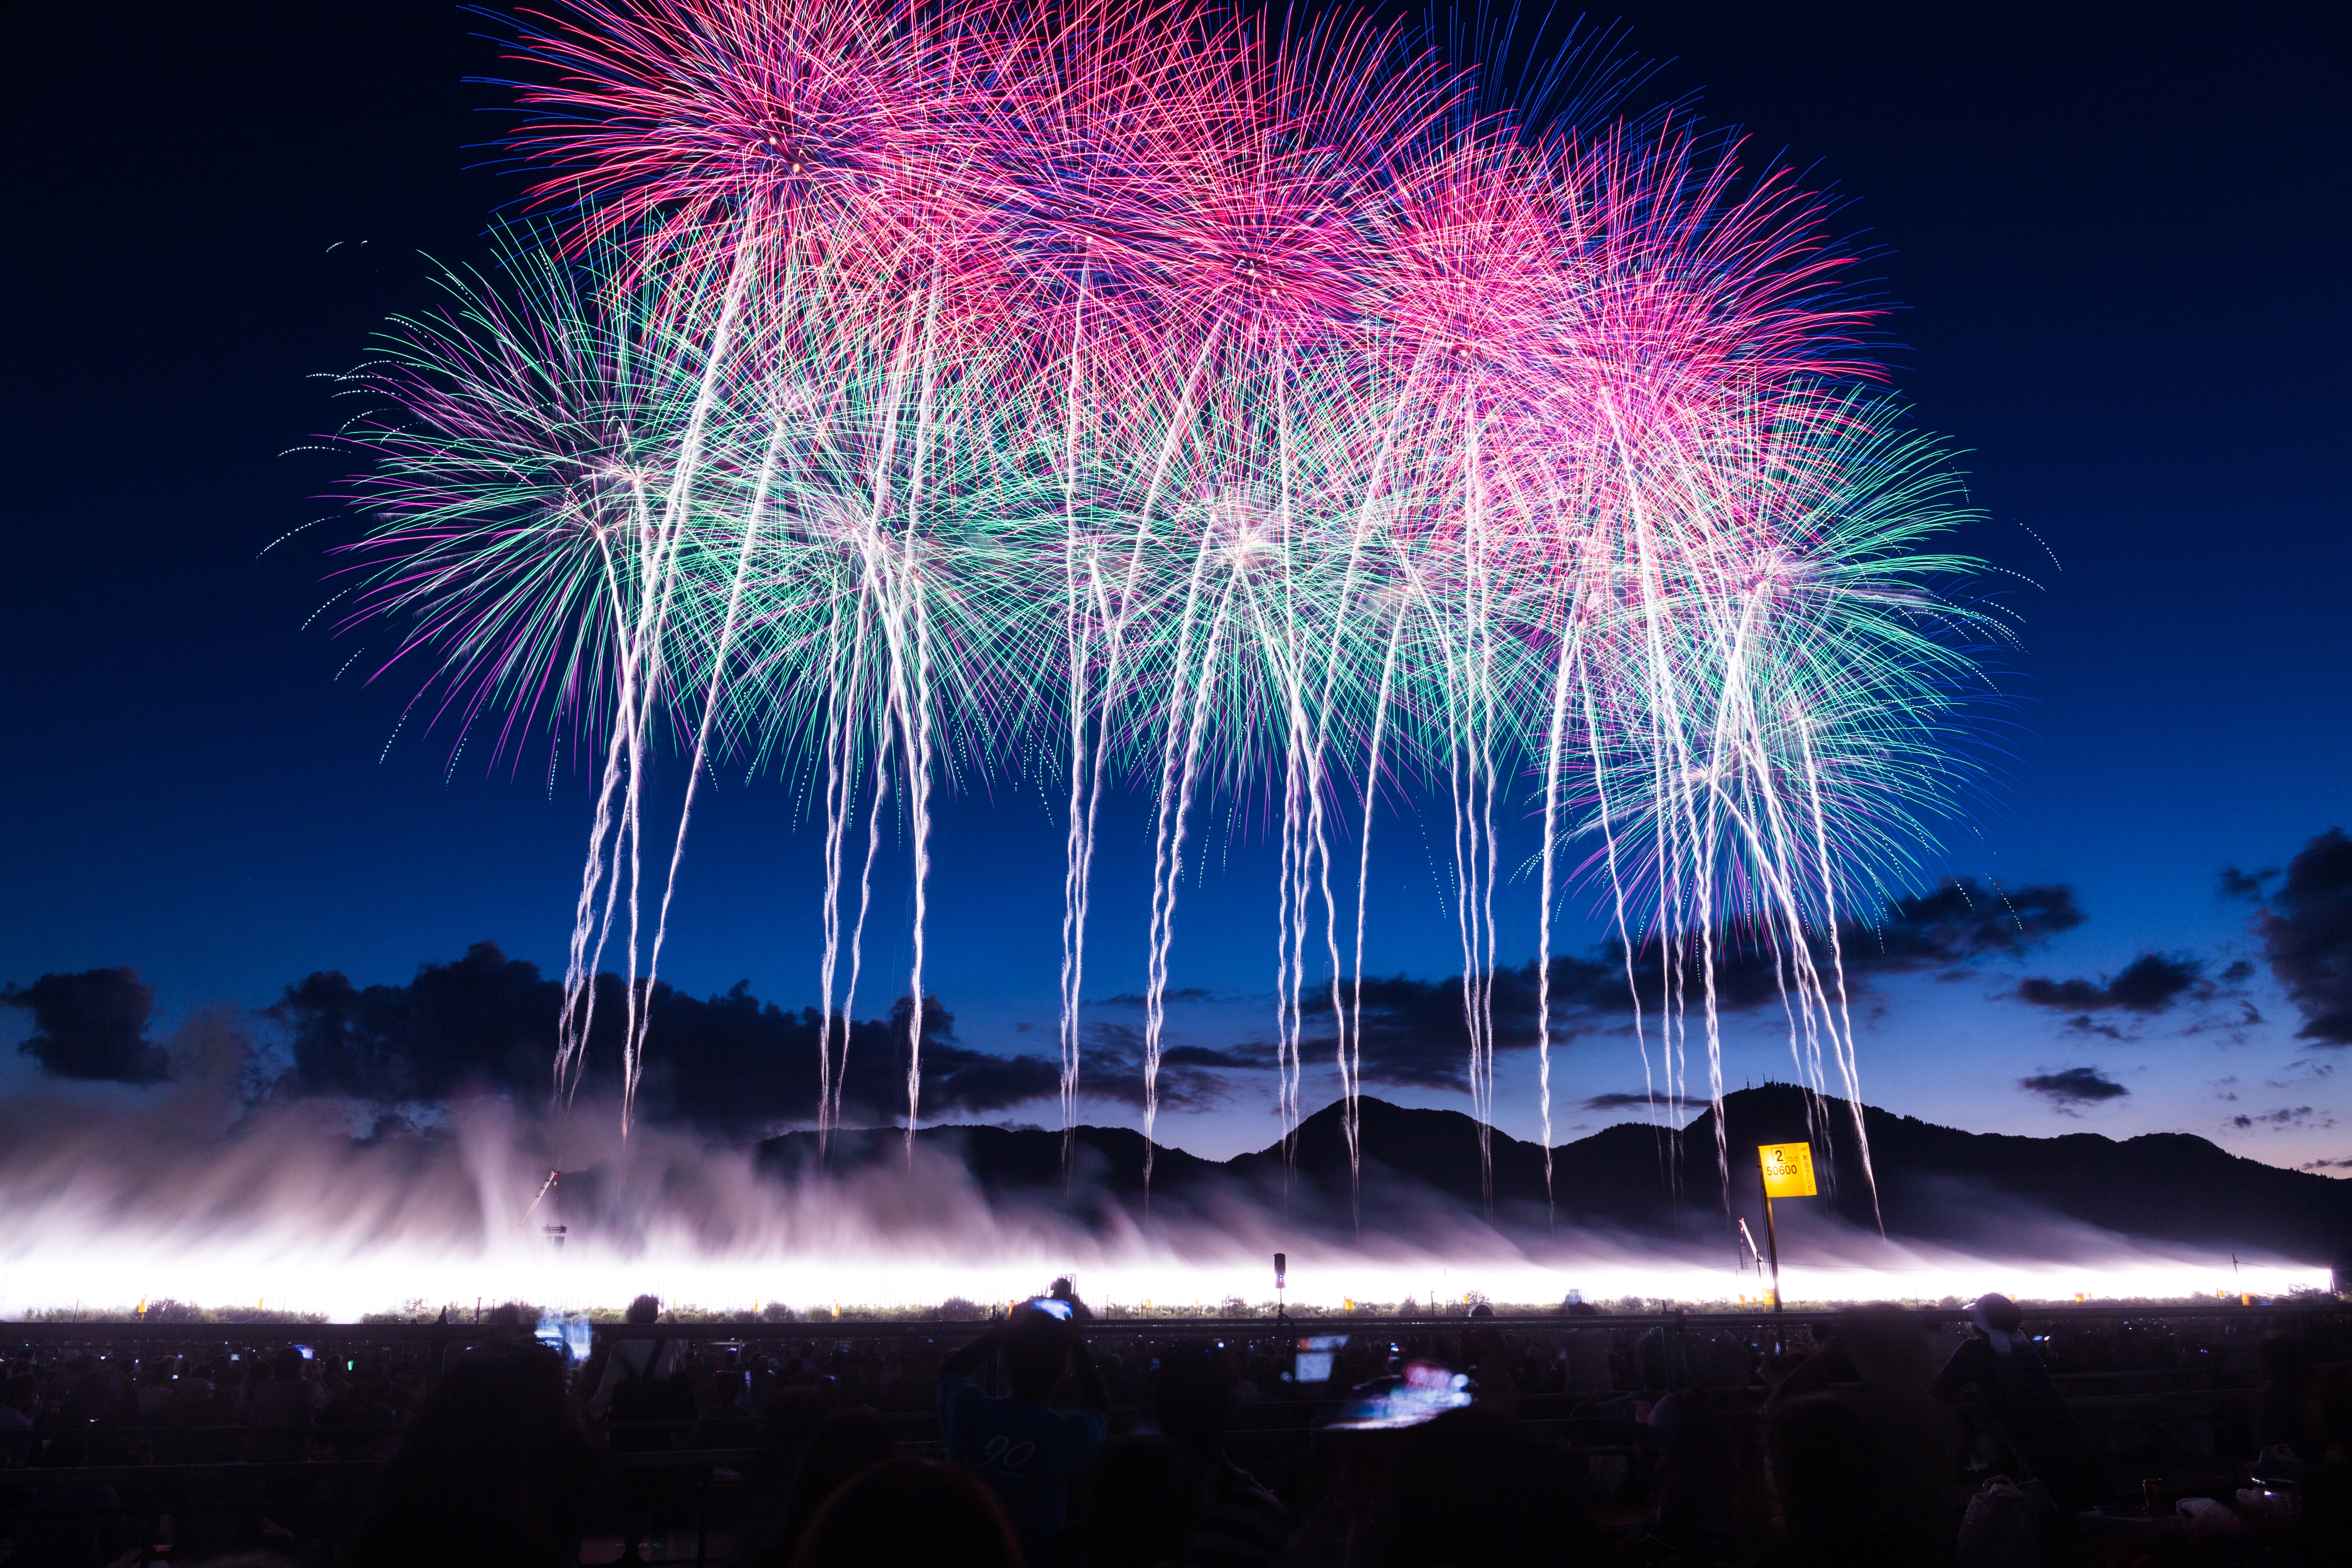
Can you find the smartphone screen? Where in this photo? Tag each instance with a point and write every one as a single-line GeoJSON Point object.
{"type": "Point", "coordinates": [1053, 1308]}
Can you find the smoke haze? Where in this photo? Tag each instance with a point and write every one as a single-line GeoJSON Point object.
{"type": "Point", "coordinates": [195, 1193]}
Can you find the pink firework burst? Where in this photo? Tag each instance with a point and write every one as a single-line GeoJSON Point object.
{"type": "Point", "coordinates": [830, 119]}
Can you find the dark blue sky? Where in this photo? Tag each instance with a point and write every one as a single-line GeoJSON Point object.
{"type": "Point", "coordinates": [2118, 234]}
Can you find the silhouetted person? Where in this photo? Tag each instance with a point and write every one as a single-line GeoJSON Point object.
{"type": "Point", "coordinates": [644, 1393]}
{"type": "Point", "coordinates": [494, 1470]}
{"type": "Point", "coordinates": [284, 1409]}
{"type": "Point", "coordinates": [2000, 1363]}
{"type": "Point", "coordinates": [1825, 1474]}
{"type": "Point", "coordinates": [1698, 1478]}
{"type": "Point", "coordinates": [91, 1425]}
{"type": "Point", "coordinates": [1584, 1351]}
{"type": "Point", "coordinates": [195, 1416]}
{"type": "Point", "coordinates": [910, 1511]}
{"type": "Point", "coordinates": [19, 1398]}
{"type": "Point", "coordinates": [1474, 1487]}
{"type": "Point", "coordinates": [155, 1388]}
{"type": "Point", "coordinates": [1234, 1521]}
{"type": "Point", "coordinates": [845, 1444]}
{"type": "Point", "coordinates": [1139, 1506]}
{"type": "Point", "coordinates": [1025, 1451]}
{"type": "Point", "coordinates": [1917, 1440]}
{"type": "Point", "coordinates": [2281, 1415]}
{"type": "Point", "coordinates": [1486, 1358]}
{"type": "Point", "coordinates": [641, 1373]}
{"type": "Point", "coordinates": [2323, 1533]}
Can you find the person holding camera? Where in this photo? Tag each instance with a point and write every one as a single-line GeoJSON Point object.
{"type": "Point", "coordinates": [1026, 1450]}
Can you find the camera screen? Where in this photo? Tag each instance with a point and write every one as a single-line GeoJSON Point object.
{"type": "Point", "coordinates": [1315, 1357]}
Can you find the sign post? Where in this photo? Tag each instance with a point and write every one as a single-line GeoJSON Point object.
{"type": "Point", "coordinates": [1788, 1174]}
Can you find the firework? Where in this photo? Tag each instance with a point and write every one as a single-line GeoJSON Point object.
{"type": "Point", "coordinates": [904, 392]}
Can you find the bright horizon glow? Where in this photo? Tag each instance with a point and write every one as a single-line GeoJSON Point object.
{"type": "Point", "coordinates": [270, 1274]}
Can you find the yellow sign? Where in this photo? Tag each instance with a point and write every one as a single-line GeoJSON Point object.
{"type": "Point", "coordinates": [1787, 1170]}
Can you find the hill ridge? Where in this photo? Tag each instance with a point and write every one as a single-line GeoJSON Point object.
{"type": "Point", "coordinates": [1934, 1183]}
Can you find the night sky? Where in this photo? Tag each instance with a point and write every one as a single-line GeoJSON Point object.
{"type": "Point", "coordinates": [2117, 236]}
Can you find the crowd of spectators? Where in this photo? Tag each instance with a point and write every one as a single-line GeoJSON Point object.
{"type": "Point", "coordinates": [1042, 1439]}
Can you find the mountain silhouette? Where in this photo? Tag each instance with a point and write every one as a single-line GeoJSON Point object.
{"type": "Point", "coordinates": [1991, 1193]}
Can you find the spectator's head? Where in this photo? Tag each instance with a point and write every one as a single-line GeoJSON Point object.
{"type": "Point", "coordinates": [1138, 1504]}
{"type": "Point", "coordinates": [1717, 1361]}
{"type": "Point", "coordinates": [844, 1445]}
{"type": "Point", "coordinates": [1194, 1399]}
{"type": "Point", "coordinates": [2325, 1508]}
{"type": "Point", "coordinates": [92, 1397]}
{"type": "Point", "coordinates": [914, 1511]}
{"type": "Point", "coordinates": [1036, 1352]}
{"type": "Point", "coordinates": [20, 1393]}
{"type": "Point", "coordinates": [1996, 1314]}
{"type": "Point", "coordinates": [1472, 1485]}
{"type": "Point", "coordinates": [645, 1310]}
{"type": "Point", "coordinates": [1063, 1290]}
{"type": "Point", "coordinates": [1482, 1311]}
{"type": "Point", "coordinates": [1822, 1465]}
{"type": "Point", "coordinates": [2331, 1410]}
{"type": "Point", "coordinates": [286, 1364]}
{"type": "Point", "coordinates": [494, 1467]}
{"type": "Point", "coordinates": [1888, 1346]}
{"type": "Point", "coordinates": [2282, 1359]}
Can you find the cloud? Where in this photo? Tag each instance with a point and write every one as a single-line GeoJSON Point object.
{"type": "Point", "coordinates": [1138, 999]}
{"type": "Point", "coordinates": [732, 1062]}
{"type": "Point", "coordinates": [1964, 920]}
{"type": "Point", "coordinates": [1209, 1056]}
{"type": "Point", "coordinates": [480, 1020]}
{"type": "Point", "coordinates": [2325, 1166]}
{"type": "Point", "coordinates": [1963, 923]}
{"type": "Point", "coordinates": [2236, 884]}
{"type": "Point", "coordinates": [2283, 1117]}
{"type": "Point", "coordinates": [91, 1026]}
{"type": "Point", "coordinates": [1413, 1033]}
{"type": "Point", "coordinates": [1099, 1036]}
{"type": "Point", "coordinates": [2076, 1086]}
{"type": "Point", "coordinates": [2149, 984]}
{"type": "Point", "coordinates": [956, 1077]}
{"type": "Point", "coordinates": [2307, 934]}
{"type": "Point", "coordinates": [1628, 1101]}
{"type": "Point", "coordinates": [1415, 1037]}
{"type": "Point", "coordinates": [1191, 1078]}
